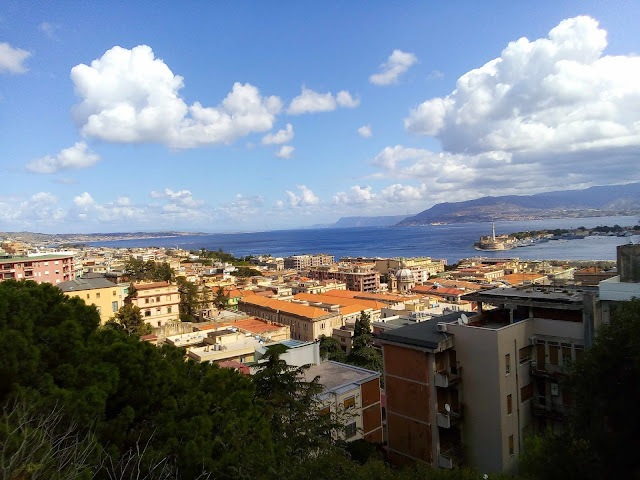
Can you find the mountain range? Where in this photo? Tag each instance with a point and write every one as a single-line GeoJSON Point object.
{"type": "Point", "coordinates": [606, 200]}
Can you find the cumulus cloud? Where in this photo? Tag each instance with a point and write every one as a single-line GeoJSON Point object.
{"type": "Point", "coordinates": [365, 131]}
{"type": "Point", "coordinates": [356, 195]}
{"type": "Point", "coordinates": [310, 101]}
{"type": "Point", "coordinates": [397, 64]}
{"type": "Point", "coordinates": [281, 136]}
{"type": "Point", "coordinates": [40, 208]}
{"type": "Point", "coordinates": [180, 197]}
{"type": "Point", "coordinates": [558, 94]}
{"type": "Point", "coordinates": [242, 206]}
{"type": "Point", "coordinates": [12, 59]}
{"type": "Point", "coordinates": [129, 96]}
{"type": "Point", "coordinates": [285, 152]}
{"type": "Point", "coordinates": [49, 29]}
{"type": "Point", "coordinates": [77, 156]}
{"type": "Point", "coordinates": [305, 197]}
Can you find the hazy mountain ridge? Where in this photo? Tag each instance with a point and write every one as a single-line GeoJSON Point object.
{"type": "Point", "coordinates": [376, 221]}
{"type": "Point", "coordinates": [607, 200]}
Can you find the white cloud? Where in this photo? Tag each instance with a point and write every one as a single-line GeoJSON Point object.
{"type": "Point", "coordinates": [356, 195]}
{"type": "Point", "coordinates": [365, 131]}
{"type": "Point", "coordinates": [555, 94]}
{"type": "Point", "coordinates": [78, 156]}
{"type": "Point", "coordinates": [398, 193]}
{"type": "Point", "coordinates": [553, 113]}
{"type": "Point", "coordinates": [49, 29]}
{"type": "Point", "coordinates": [12, 59]}
{"type": "Point", "coordinates": [305, 197]}
{"type": "Point", "coordinates": [39, 209]}
{"type": "Point", "coordinates": [435, 74]}
{"type": "Point", "coordinates": [397, 64]}
{"type": "Point", "coordinates": [345, 99]}
{"type": "Point", "coordinates": [129, 96]}
{"type": "Point", "coordinates": [309, 102]}
{"type": "Point", "coordinates": [180, 197]}
{"type": "Point", "coordinates": [285, 152]}
{"type": "Point", "coordinates": [281, 136]}
{"type": "Point", "coordinates": [242, 206]}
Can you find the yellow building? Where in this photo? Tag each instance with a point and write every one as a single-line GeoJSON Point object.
{"type": "Point", "coordinates": [158, 301]}
{"type": "Point", "coordinates": [105, 295]}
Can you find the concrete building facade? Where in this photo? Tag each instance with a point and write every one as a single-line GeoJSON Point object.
{"type": "Point", "coordinates": [51, 268]}
{"type": "Point", "coordinates": [158, 301]}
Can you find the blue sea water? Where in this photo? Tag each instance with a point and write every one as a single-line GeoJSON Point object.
{"type": "Point", "coordinates": [452, 242]}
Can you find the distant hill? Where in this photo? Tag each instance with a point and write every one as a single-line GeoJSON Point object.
{"type": "Point", "coordinates": [590, 202]}
{"type": "Point", "coordinates": [384, 221]}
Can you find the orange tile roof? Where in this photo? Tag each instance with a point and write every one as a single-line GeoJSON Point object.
{"type": "Point", "coordinates": [517, 278]}
{"type": "Point", "coordinates": [350, 309]}
{"type": "Point", "coordinates": [341, 293]}
{"type": "Point", "coordinates": [288, 307]}
{"type": "Point", "coordinates": [437, 290]}
{"type": "Point", "coordinates": [331, 300]}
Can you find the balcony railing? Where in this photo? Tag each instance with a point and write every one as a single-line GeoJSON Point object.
{"type": "Point", "coordinates": [450, 457]}
{"type": "Point", "coordinates": [547, 370]}
{"type": "Point", "coordinates": [557, 411]}
{"type": "Point", "coordinates": [445, 379]}
{"type": "Point", "coordinates": [447, 419]}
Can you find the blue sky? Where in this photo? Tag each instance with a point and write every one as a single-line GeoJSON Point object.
{"type": "Point", "coordinates": [182, 120]}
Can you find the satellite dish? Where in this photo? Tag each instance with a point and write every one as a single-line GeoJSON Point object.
{"type": "Point", "coordinates": [460, 322]}
{"type": "Point", "coordinates": [447, 407]}
{"type": "Point", "coordinates": [465, 319]}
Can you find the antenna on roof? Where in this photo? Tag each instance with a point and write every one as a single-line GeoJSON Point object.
{"type": "Point", "coordinates": [447, 407]}
{"type": "Point", "coordinates": [465, 319]}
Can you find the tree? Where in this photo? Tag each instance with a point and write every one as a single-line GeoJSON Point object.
{"type": "Point", "coordinates": [221, 299]}
{"type": "Point", "coordinates": [129, 318]}
{"type": "Point", "coordinates": [137, 270]}
{"type": "Point", "coordinates": [330, 349]}
{"type": "Point", "coordinates": [189, 301]}
{"type": "Point", "coordinates": [363, 325]}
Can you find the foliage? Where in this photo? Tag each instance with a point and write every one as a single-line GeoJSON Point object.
{"type": "Point", "coordinates": [193, 298]}
{"type": "Point", "coordinates": [129, 318]}
{"type": "Point", "coordinates": [247, 272]}
{"type": "Point", "coordinates": [138, 270]}
{"type": "Point", "coordinates": [330, 349]}
{"type": "Point", "coordinates": [363, 325]}
{"type": "Point", "coordinates": [363, 354]}
{"type": "Point", "coordinates": [221, 299]}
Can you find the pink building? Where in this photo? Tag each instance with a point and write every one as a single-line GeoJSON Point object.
{"type": "Point", "coordinates": [52, 268]}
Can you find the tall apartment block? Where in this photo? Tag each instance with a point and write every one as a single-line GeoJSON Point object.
{"type": "Point", "coordinates": [466, 391]}
{"type": "Point", "coordinates": [51, 268]}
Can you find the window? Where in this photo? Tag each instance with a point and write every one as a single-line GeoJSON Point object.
{"type": "Point", "coordinates": [168, 309]}
{"type": "Point", "coordinates": [525, 354]}
{"type": "Point", "coordinates": [114, 306]}
{"type": "Point", "coordinates": [147, 313]}
{"type": "Point", "coordinates": [349, 402]}
{"type": "Point", "coordinates": [540, 355]}
{"type": "Point", "coordinates": [146, 300]}
{"type": "Point", "coordinates": [97, 294]}
{"type": "Point", "coordinates": [350, 430]}
{"type": "Point", "coordinates": [566, 355]}
{"type": "Point", "coordinates": [553, 354]}
{"type": "Point", "coordinates": [157, 299]}
{"type": "Point", "coordinates": [114, 293]}
{"type": "Point", "coordinates": [56, 262]}
{"type": "Point", "coordinates": [509, 405]}
{"type": "Point", "coordinates": [507, 364]}
{"type": "Point", "coordinates": [510, 444]}
{"type": "Point", "coordinates": [88, 295]}
{"type": "Point", "coordinates": [526, 392]}
{"type": "Point", "coordinates": [579, 351]}
{"type": "Point", "coordinates": [46, 264]}
{"type": "Point", "coordinates": [46, 272]}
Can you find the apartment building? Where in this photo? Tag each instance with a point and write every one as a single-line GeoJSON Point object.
{"type": "Point", "coordinates": [467, 391]}
{"type": "Point", "coordinates": [158, 301]}
{"type": "Point", "coordinates": [306, 323]}
{"type": "Point", "coordinates": [52, 268]}
{"type": "Point", "coordinates": [302, 262]}
{"type": "Point", "coordinates": [353, 393]}
{"type": "Point", "coordinates": [105, 295]}
{"type": "Point", "coordinates": [428, 265]}
{"type": "Point", "coordinates": [624, 286]}
{"type": "Point", "coordinates": [359, 278]}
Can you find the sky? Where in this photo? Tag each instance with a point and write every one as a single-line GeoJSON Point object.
{"type": "Point", "coordinates": [220, 116]}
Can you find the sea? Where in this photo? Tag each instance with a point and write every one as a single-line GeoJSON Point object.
{"type": "Point", "coordinates": [452, 242]}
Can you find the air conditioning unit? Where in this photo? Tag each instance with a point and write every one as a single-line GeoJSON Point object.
{"type": "Point", "coordinates": [442, 327]}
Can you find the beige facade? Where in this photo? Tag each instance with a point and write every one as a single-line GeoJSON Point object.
{"type": "Point", "coordinates": [158, 301]}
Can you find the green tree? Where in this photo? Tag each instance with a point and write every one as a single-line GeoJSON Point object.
{"type": "Point", "coordinates": [129, 318]}
{"type": "Point", "coordinates": [363, 353]}
{"type": "Point", "coordinates": [221, 299]}
{"type": "Point", "coordinates": [362, 325]}
{"type": "Point", "coordinates": [189, 299]}
{"type": "Point", "coordinates": [330, 349]}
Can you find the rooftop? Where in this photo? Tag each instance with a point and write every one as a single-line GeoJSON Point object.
{"type": "Point", "coordinates": [335, 375]}
{"type": "Point", "coordinates": [533, 295]}
{"type": "Point", "coordinates": [287, 307]}
{"type": "Point", "coordinates": [81, 284]}
{"type": "Point", "coordinates": [423, 334]}
{"type": "Point", "coordinates": [36, 258]}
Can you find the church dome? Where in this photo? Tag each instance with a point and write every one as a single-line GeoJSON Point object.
{"type": "Point", "coordinates": [404, 275]}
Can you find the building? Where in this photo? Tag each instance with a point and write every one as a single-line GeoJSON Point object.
{"type": "Point", "coordinates": [105, 295]}
{"type": "Point", "coordinates": [624, 286]}
{"type": "Point", "coordinates": [306, 323]}
{"type": "Point", "coordinates": [486, 381]}
{"type": "Point", "coordinates": [52, 268]}
{"type": "Point", "coordinates": [303, 262]}
{"type": "Point", "coordinates": [158, 301]}
{"type": "Point", "coordinates": [391, 265]}
{"type": "Point", "coordinates": [359, 278]}
{"type": "Point", "coordinates": [352, 391]}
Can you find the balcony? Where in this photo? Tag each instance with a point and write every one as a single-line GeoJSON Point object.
{"type": "Point", "coordinates": [450, 457]}
{"type": "Point", "coordinates": [447, 419]}
{"type": "Point", "coordinates": [553, 411]}
{"type": "Point", "coordinates": [547, 370]}
{"type": "Point", "coordinates": [445, 379]}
